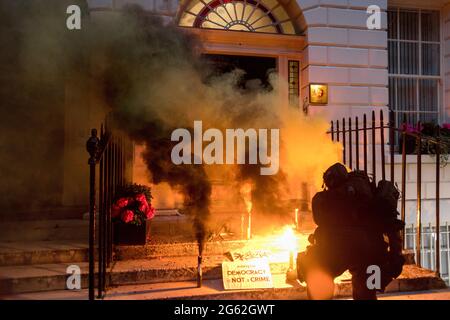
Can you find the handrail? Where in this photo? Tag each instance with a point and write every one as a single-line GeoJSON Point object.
{"type": "Point", "coordinates": [108, 152]}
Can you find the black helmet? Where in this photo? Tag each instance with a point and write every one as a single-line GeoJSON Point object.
{"type": "Point", "coordinates": [335, 176]}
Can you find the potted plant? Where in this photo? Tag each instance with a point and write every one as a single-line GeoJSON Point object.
{"type": "Point", "coordinates": [410, 141]}
{"type": "Point", "coordinates": [131, 213]}
{"type": "Point", "coordinates": [430, 130]}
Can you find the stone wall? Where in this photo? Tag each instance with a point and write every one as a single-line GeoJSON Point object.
{"type": "Point", "coordinates": [160, 7]}
{"type": "Point", "coordinates": [344, 53]}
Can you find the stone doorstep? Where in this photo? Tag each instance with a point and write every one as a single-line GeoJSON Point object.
{"type": "Point", "coordinates": [51, 252]}
{"type": "Point", "coordinates": [42, 252]}
{"type": "Point", "coordinates": [48, 277]}
{"type": "Point", "coordinates": [60, 251]}
{"type": "Point", "coordinates": [213, 290]}
{"type": "Point", "coordinates": [43, 257]}
{"type": "Point", "coordinates": [152, 251]}
{"type": "Point", "coordinates": [45, 230]}
{"type": "Point", "coordinates": [177, 249]}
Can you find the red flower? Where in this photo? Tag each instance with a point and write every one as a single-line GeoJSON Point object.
{"type": "Point", "coordinates": [411, 128]}
{"type": "Point", "coordinates": [150, 213]}
{"type": "Point", "coordinates": [115, 211]}
{"type": "Point", "coordinates": [143, 207]}
{"type": "Point", "coordinates": [122, 202]}
{"type": "Point", "coordinates": [140, 197]}
{"type": "Point", "coordinates": [127, 216]}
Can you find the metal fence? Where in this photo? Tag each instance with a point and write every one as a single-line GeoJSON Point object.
{"type": "Point", "coordinates": [109, 153]}
{"type": "Point", "coordinates": [428, 247]}
{"type": "Point", "coordinates": [370, 136]}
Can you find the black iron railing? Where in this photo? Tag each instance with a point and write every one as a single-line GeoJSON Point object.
{"type": "Point", "coordinates": [352, 136]}
{"type": "Point", "coordinates": [109, 152]}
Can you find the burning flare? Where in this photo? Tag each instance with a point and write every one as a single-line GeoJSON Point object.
{"type": "Point", "coordinates": [246, 192]}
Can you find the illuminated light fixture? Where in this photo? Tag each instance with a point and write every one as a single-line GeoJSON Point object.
{"type": "Point", "coordinates": [318, 94]}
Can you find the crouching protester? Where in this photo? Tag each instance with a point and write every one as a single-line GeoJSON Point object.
{"type": "Point", "coordinates": [358, 230]}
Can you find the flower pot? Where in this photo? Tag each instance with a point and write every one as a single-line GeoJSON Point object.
{"type": "Point", "coordinates": [131, 234]}
{"type": "Point", "coordinates": [410, 145]}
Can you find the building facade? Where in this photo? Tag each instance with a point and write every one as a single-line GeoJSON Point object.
{"type": "Point", "coordinates": [404, 66]}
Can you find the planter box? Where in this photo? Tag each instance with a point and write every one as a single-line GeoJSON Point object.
{"type": "Point", "coordinates": [410, 145]}
{"type": "Point", "coordinates": [130, 234]}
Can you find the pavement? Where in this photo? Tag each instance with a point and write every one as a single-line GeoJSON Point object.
{"type": "Point", "coordinates": [213, 290]}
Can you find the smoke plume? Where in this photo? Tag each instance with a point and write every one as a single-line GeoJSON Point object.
{"type": "Point", "coordinates": [150, 76]}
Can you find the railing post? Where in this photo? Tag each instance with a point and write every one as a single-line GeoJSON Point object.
{"type": "Point", "coordinates": [392, 143]}
{"type": "Point", "coordinates": [350, 141]}
{"type": "Point", "coordinates": [438, 199]}
{"type": "Point", "coordinates": [374, 154]}
{"type": "Point", "coordinates": [113, 191]}
{"type": "Point", "coordinates": [403, 202]}
{"type": "Point", "coordinates": [109, 201]}
{"type": "Point", "coordinates": [344, 142]}
{"type": "Point", "coordinates": [337, 131]}
{"type": "Point", "coordinates": [92, 146]}
{"type": "Point", "coordinates": [101, 229]}
{"type": "Point", "coordinates": [332, 131]}
{"type": "Point", "coordinates": [357, 142]}
{"type": "Point", "coordinates": [365, 141]}
{"type": "Point", "coordinates": [419, 198]}
{"type": "Point", "coordinates": [383, 158]}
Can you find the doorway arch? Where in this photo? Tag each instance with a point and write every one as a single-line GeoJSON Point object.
{"type": "Point", "coordinates": [266, 16]}
{"type": "Point", "coordinates": [262, 28]}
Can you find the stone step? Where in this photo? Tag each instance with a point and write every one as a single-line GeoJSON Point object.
{"type": "Point", "coordinates": [47, 213]}
{"type": "Point", "coordinates": [412, 279]}
{"type": "Point", "coordinates": [68, 251]}
{"type": "Point", "coordinates": [42, 252]}
{"type": "Point", "coordinates": [152, 251]}
{"type": "Point", "coordinates": [161, 250]}
{"type": "Point", "coordinates": [47, 277]}
{"type": "Point", "coordinates": [45, 230]}
{"type": "Point", "coordinates": [44, 277]}
{"type": "Point", "coordinates": [212, 289]}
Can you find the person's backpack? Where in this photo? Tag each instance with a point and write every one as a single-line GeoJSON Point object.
{"type": "Point", "coordinates": [385, 206]}
{"type": "Point", "coordinates": [345, 201]}
{"type": "Point", "coordinates": [335, 176]}
{"type": "Point", "coordinates": [359, 182]}
{"type": "Point", "coordinates": [388, 194]}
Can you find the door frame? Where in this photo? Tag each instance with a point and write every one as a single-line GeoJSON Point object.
{"type": "Point", "coordinates": [281, 47]}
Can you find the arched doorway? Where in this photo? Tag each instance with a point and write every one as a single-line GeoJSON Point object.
{"type": "Point", "coordinates": [251, 28]}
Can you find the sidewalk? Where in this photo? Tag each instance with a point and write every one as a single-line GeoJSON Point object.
{"type": "Point", "coordinates": [213, 290]}
{"type": "Point", "coordinates": [137, 295]}
{"type": "Point", "coordinates": [427, 295]}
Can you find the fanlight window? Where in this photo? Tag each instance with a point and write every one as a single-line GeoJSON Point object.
{"type": "Point", "coordinates": [266, 16]}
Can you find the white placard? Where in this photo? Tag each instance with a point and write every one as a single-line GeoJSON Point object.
{"type": "Point", "coordinates": [252, 274]}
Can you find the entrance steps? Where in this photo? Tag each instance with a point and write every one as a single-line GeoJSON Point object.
{"type": "Point", "coordinates": [42, 252]}
{"type": "Point", "coordinates": [41, 267]}
{"type": "Point", "coordinates": [413, 279]}
{"type": "Point", "coordinates": [44, 230]}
